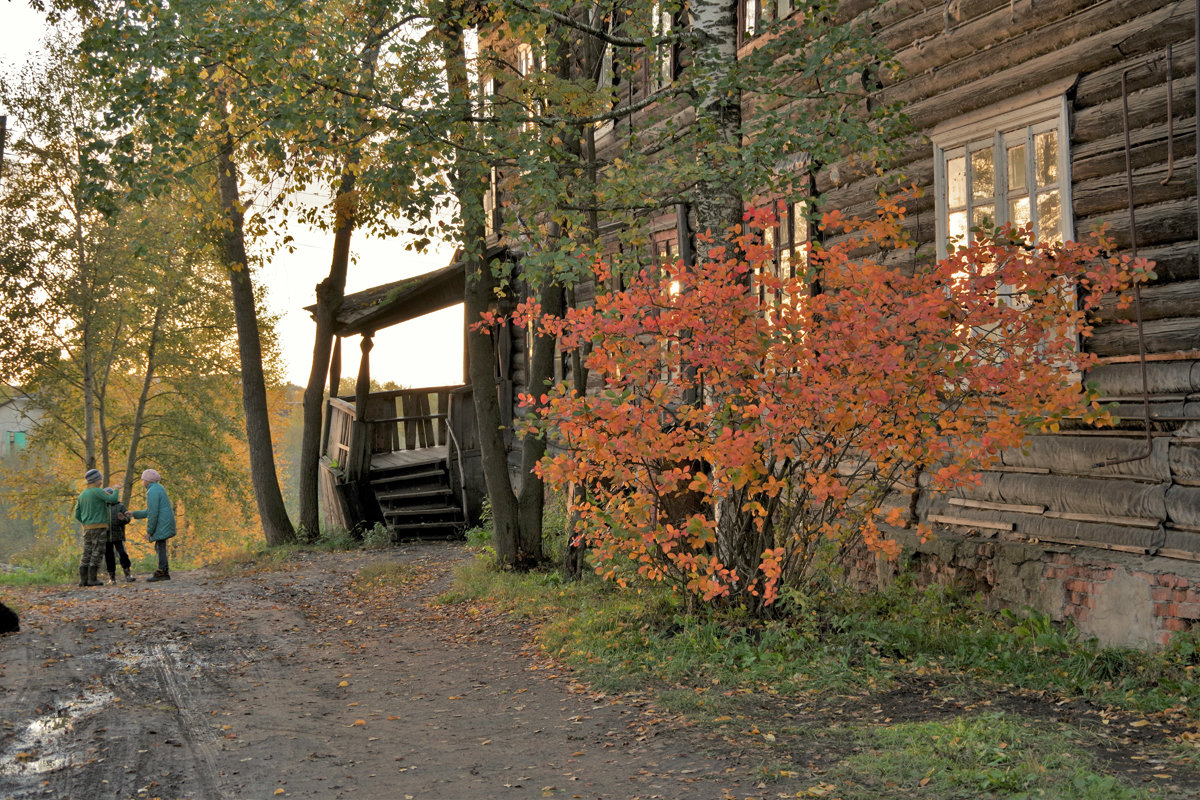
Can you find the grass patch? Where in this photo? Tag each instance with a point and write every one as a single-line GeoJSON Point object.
{"type": "Point", "coordinates": [810, 683]}
{"type": "Point", "coordinates": [984, 755]}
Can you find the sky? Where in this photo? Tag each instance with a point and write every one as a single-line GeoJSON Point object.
{"type": "Point", "coordinates": [422, 352]}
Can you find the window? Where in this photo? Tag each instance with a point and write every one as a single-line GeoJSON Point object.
{"type": "Point", "coordinates": [783, 8]}
{"type": "Point", "coordinates": [491, 205]}
{"type": "Point", "coordinates": [748, 10]}
{"type": "Point", "coordinates": [787, 241]}
{"type": "Point", "coordinates": [1006, 165]}
{"type": "Point", "coordinates": [662, 66]}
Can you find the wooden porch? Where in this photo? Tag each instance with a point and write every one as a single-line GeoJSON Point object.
{"type": "Point", "coordinates": [407, 459]}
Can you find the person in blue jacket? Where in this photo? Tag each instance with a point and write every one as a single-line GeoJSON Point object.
{"type": "Point", "coordinates": [160, 521]}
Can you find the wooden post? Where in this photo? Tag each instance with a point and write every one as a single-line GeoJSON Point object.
{"type": "Point", "coordinates": [335, 380]}
{"type": "Point", "coordinates": [360, 448]}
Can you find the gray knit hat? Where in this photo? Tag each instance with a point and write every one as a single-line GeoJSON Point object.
{"type": "Point", "coordinates": [93, 475]}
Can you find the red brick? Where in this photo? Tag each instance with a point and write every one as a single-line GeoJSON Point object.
{"type": "Point", "coordinates": [1188, 610]}
{"type": "Point", "coordinates": [1173, 624]}
{"type": "Point", "coordinates": [1165, 609]}
{"type": "Point", "coordinates": [1161, 594]}
{"type": "Point", "coordinates": [1164, 638]}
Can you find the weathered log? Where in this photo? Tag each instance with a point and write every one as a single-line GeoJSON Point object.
{"type": "Point", "coordinates": [1079, 455]}
{"type": "Point", "coordinates": [1158, 302]}
{"type": "Point", "coordinates": [1162, 378]}
{"type": "Point", "coordinates": [1109, 194]}
{"type": "Point", "coordinates": [1174, 262]}
{"type": "Point", "coordinates": [1145, 70]}
{"type": "Point", "coordinates": [1161, 336]}
{"type": "Point", "coordinates": [1091, 533]}
{"type": "Point", "coordinates": [1170, 413]}
{"type": "Point", "coordinates": [1113, 497]}
{"type": "Point", "coordinates": [1148, 145]}
{"type": "Point", "coordinates": [1184, 459]}
{"type": "Point", "coordinates": [1183, 506]}
{"type": "Point", "coordinates": [1033, 61]}
{"type": "Point", "coordinates": [924, 44]}
{"type": "Point", "coordinates": [1158, 224]}
{"type": "Point", "coordinates": [1146, 107]}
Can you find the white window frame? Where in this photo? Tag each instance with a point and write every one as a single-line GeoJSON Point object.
{"type": "Point", "coordinates": [998, 127]}
{"type": "Point", "coordinates": [662, 62]}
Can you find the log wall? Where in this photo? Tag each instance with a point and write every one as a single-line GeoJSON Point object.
{"type": "Point", "coordinates": [969, 55]}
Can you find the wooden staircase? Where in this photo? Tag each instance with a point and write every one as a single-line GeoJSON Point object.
{"type": "Point", "coordinates": [418, 501]}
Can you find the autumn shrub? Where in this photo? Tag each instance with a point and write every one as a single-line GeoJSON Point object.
{"type": "Point", "coordinates": [742, 438]}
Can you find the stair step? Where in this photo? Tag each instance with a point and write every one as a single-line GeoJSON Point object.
{"type": "Point", "coordinates": [390, 476]}
{"type": "Point", "coordinates": [429, 511]}
{"type": "Point", "coordinates": [430, 529]}
{"type": "Point", "coordinates": [403, 494]}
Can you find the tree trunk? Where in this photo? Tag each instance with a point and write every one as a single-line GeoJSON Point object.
{"type": "Point", "coordinates": [718, 123]}
{"type": "Point", "coordinates": [469, 180]}
{"type": "Point", "coordinates": [276, 526]}
{"type": "Point", "coordinates": [329, 302]}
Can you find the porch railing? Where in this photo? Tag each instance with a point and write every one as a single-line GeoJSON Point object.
{"type": "Point", "coordinates": [396, 420]}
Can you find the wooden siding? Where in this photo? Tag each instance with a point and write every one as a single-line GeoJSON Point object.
{"type": "Point", "coordinates": [974, 55]}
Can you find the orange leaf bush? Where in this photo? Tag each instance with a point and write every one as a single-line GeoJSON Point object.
{"type": "Point", "coordinates": [734, 442]}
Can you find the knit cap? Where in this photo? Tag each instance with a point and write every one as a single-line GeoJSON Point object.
{"type": "Point", "coordinates": [151, 475]}
{"type": "Point", "coordinates": [92, 475]}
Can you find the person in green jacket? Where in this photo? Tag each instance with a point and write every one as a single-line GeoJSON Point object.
{"type": "Point", "coordinates": [91, 511]}
{"type": "Point", "coordinates": [160, 521]}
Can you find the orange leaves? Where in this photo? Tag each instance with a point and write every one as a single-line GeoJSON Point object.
{"type": "Point", "coordinates": [733, 438]}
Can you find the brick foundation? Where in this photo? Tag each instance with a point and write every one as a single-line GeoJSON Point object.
{"type": "Point", "coordinates": [1121, 599]}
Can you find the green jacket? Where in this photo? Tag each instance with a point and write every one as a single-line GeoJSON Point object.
{"type": "Point", "coordinates": [159, 515]}
{"type": "Point", "coordinates": [92, 506]}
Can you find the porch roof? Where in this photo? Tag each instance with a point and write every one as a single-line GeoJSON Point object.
{"type": "Point", "coordinates": [399, 301]}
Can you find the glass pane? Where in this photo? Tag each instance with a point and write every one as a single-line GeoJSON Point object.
{"type": "Point", "coordinates": [957, 229]}
{"type": "Point", "coordinates": [1049, 217]}
{"type": "Point", "coordinates": [1045, 148]}
{"type": "Point", "coordinates": [956, 178]}
{"type": "Point", "coordinates": [1017, 167]}
{"type": "Point", "coordinates": [800, 226]}
{"type": "Point", "coordinates": [983, 216]}
{"type": "Point", "coordinates": [1018, 212]}
{"type": "Point", "coordinates": [983, 174]}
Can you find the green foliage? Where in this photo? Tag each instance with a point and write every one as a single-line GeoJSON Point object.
{"type": "Point", "coordinates": [991, 754]}
{"type": "Point", "coordinates": [378, 537]}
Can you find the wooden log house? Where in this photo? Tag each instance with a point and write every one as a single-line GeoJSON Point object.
{"type": "Point", "coordinates": [1063, 114]}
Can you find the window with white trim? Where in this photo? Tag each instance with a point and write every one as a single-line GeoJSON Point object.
{"type": "Point", "coordinates": [662, 66]}
{"type": "Point", "coordinates": [1005, 165]}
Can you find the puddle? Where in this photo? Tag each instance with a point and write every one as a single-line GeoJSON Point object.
{"type": "Point", "coordinates": [41, 748]}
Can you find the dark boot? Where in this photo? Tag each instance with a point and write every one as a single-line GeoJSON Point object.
{"type": "Point", "coordinates": [129, 576]}
{"type": "Point", "coordinates": [87, 576]}
{"type": "Point", "coordinates": [112, 578]}
{"type": "Point", "coordinates": [83, 581]}
{"type": "Point", "coordinates": [159, 575]}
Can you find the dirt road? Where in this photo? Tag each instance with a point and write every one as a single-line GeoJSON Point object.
{"type": "Point", "coordinates": [290, 684]}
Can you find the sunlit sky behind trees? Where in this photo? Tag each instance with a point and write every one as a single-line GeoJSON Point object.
{"type": "Point", "coordinates": [423, 352]}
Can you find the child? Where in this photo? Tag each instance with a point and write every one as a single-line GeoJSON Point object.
{"type": "Point", "coordinates": [118, 519]}
{"type": "Point", "coordinates": [160, 521]}
{"type": "Point", "coordinates": [91, 510]}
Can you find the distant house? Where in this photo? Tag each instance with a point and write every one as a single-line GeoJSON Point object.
{"type": "Point", "coordinates": [17, 419]}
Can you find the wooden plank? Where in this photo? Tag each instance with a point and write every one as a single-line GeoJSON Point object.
{"type": "Point", "coordinates": [1133, 522]}
{"type": "Point", "coordinates": [1123, 548]}
{"type": "Point", "coordinates": [1024, 509]}
{"type": "Point", "coordinates": [971, 523]}
{"type": "Point", "coordinates": [1179, 355]}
